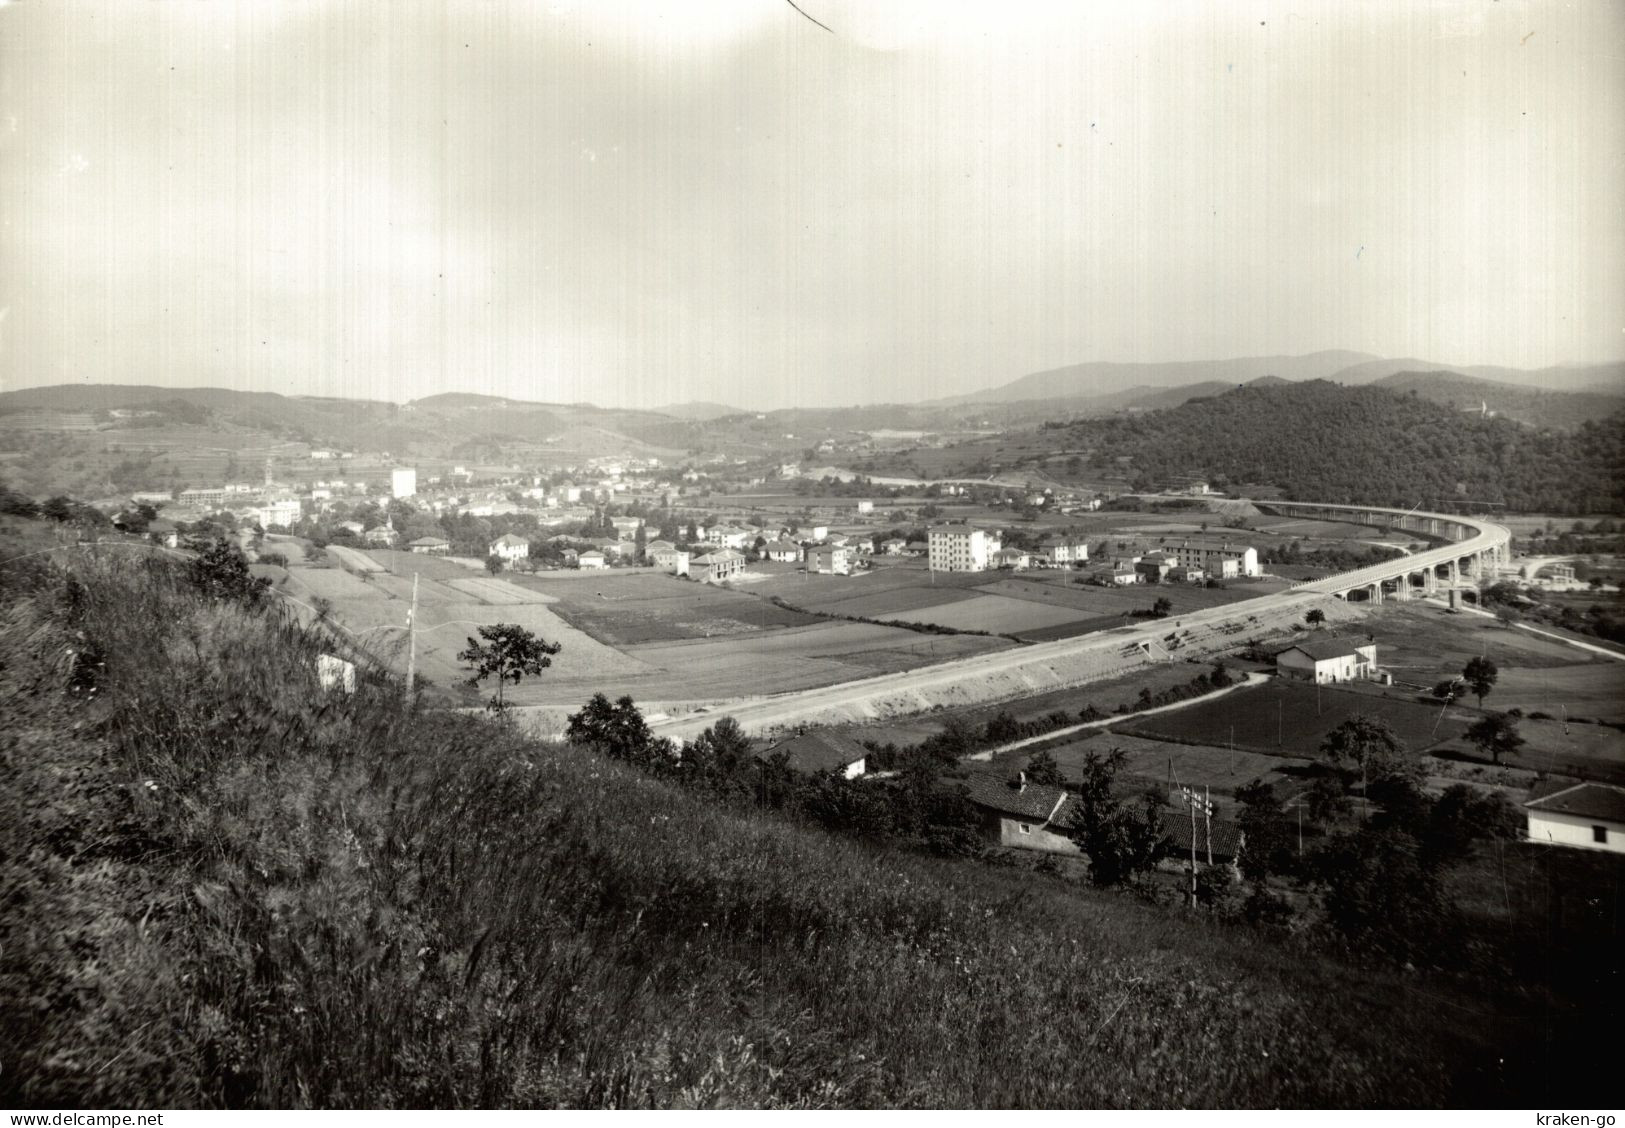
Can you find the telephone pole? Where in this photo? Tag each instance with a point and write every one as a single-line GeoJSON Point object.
{"type": "Point", "coordinates": [412, 640]}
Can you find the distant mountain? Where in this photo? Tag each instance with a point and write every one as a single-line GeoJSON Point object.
{"type": "Point", "coordinates": [1099, 378]}
{"type": "Point", "coordinates": [1532, 405]}
{"type": "Point", "coordinates": [1334, 443]}
{"type": "Point", "coordinates": [1560, 378]}
{"type": "Point", "coordinates": [698, 410]}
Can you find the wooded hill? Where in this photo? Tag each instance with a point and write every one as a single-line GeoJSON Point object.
{"type": "Point", "coordinates": [1325, 442]}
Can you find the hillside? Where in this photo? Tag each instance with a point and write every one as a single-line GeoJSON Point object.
{"type": "Point", "coordinates": [1099, 378]}
{"type": "Point", "coordinates": [1330, 443]}
{"type": "Point", "coordinates": [1609, 377]}
{"type": "Point", "coordinates": [1537, 407]}
{"type": "Point", "coordinates": [698, 410]}
{"type": "Point", "coordinates": [248, 892]}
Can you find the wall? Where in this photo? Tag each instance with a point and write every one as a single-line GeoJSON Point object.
{"type": "Point", "coordinates": [1572, 830]}
{"type": "Point", "coordinates": [1037, 838]}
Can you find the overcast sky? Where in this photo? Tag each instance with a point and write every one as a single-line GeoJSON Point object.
{"type": "Point", "coordinates": [642, 203]}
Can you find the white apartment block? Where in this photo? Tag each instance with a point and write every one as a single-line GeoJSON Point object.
{"type": "Point", "coordinates": [957, 548]}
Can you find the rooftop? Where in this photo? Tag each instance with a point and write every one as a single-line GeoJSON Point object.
{"type": "Point", "coordinates": [1324, 649]}
{"type": "Point", "coordinates": [1584, 800]}
{"type": "Point", "coordinates": [1037, 801]}
{"type": "Point", "coordinates": [818, 751]}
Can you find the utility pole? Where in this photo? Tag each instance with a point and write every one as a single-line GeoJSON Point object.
{"type": "Point", "coordinates": [1207, 819]}
{"type": "Point", "coordinates": [412, 640]}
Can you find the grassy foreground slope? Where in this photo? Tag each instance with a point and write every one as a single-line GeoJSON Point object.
{"type": "Point", "coordinates": [220, 885]}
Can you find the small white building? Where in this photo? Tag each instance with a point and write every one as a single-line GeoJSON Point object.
{"type": "Point", "coordinates": [403, 482]}
{"type": "Point", "coordinates": [1326, 660]}
{"type": "Point", "coordinates": [866, 507]}
{"type": "Point", "coordinates": [511, 547]}
{"type": "Point", "coordinates": [591, 559]}
{"type": "Point", "coordinates": [1064, 551]}
{"type": "Point", "coordinates": [782, 551]}
{"type": "Point", "coordinates": [1590, 816]}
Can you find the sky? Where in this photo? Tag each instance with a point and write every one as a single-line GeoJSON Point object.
{"type": "Point", "coordinates": [644, 203]}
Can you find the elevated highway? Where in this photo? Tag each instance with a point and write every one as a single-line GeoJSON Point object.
{"type": "Point", "coordinates": [1478, 548]}
{"type": "Point", "coordinates": [1010, 674]}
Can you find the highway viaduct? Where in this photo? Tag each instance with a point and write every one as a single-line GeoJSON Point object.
{"type": "Point", "coordinates": [1478, 548]}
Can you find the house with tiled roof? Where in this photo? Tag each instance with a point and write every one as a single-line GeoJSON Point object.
{"type": "Point", "coordinates": [715, 567]}
{"type": "Point", "coordinates": [821, 750]}
{"type": "Point", "coordinates": [1590, 816]}
{"type": "Point", "coordinates": [1065, 551]}
{"type": "Point", "coordinates": [1027, 816]}
{"type": "Point", "coordinates": [431, 546]}
{"type": "Point", "coordinates": [782, 551]}
{"type": "Point", "coordinates": [1327, 660]}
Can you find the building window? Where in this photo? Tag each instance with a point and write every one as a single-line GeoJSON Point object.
{"type": "Point", "coordinates": [1598, 834]}
{"type": "Point", "coordinates": [1025, 829]}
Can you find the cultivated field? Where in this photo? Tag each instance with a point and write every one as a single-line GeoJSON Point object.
{"type": "Point", "coordinates": [1294, 717]}
{"type": "Point", "coordinates": [353, 559]}
{"type": "Point", "coordinates": [997, 614]}
{"type": "Point", "coordinates": [1152, 762]}
{"type": "Point", "coordinates": [405, 563]}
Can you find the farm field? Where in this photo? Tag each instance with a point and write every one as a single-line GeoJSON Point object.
{"type": "Point", "coordinates": [376, 616]}
{"type": "Point", "coordinates": [1195, 765]}
{"type": "Point", "coordinates": [1294, 717]}
{"type": "Point", "coordinates": [405, 563]}
{"type": "Point", "coordinates": [1595, 689]}
{"type": "Point", "coordinates": [1097, 600]}
{"type": "Point", "coordinates": [353, 559]}
{"type": "Point", "coordinates": [769, 662]}
{"type": "Point", "coordinates": [997, 614]}
{"type": "Point", "coordinates": [890, 602]}
{"type": "Point", "coordinates": [628, 610]}
{"type": "Point", "coordinates": [498, 591]}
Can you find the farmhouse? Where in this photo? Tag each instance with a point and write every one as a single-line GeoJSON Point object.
{"type": "Point", "coordinates": [916, 548]}
{"type": "Point", "coordinates": [1028, 816]}
{"type": "Point", "coordinates": [1186, 574]}
{"type": "Point", "coordinates": [1590, 816]}
{"type": "Point", "coordinates": [1123, 575]}
{"type": "Point", "coordinates": [626, 527]}
{"type": "Point", "coordinates": [510, 547]}
{"type": "Point", "coordinates": [381, 535]}
{"type": "Point", "coordinates": [815, 752]}
{"type": "Point", "coordinates": [430, 546]}
{"type": "Point", "coordinates": [592, 559]}
{"type": "Point", "coordinates": [1328, 660]}
{"type": "Point", "coordinates": [1154, 567]}
{"type": "Point", "coordinates": [782, 551]}
{"type": "Point", "coordinates": [957, 548]}
{"type": "Point", "coordinates": [654, 546]}
{"type": "Point", "coordinates": [893, 546]}
{"type": "Point", "coordinates": [714, 567]}
{"type": "Point", "coordinates": [828, 560]}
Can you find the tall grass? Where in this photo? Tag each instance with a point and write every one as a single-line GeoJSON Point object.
{"type": "Point", "coordinates": [222, 886]}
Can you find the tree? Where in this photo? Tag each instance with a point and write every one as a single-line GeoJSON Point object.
{"type": "Point", "coordinates": [618, 730]}
{"type": "Point", "coordinates": [1480, 675]}
{"type": "Point", "coordinates": [1449, 689]}
{"type": "Point", "coordinates": [1263, 821]}
{"type": "Point", "coordinates": [1507, 616]}
{"type": "Point", "coordinates": [1497, 734]}
{"type": "Point", "coordinates": [509, 652]}
{"type": "Point", "coordinates": [1365, 743]}
{"type": "Point", "coordinates": [1121, 841]}
{"type": "Point", "coordinates": [1042, 768]}
{"type": "Point", "coordinates": [1162, 607]}
{"type": "Point", "coordinates": [493, 564]}
{"type": "Point", "coordinates": [221, 572]}
{"type": "Point", "coordinates": [1315, 617]}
